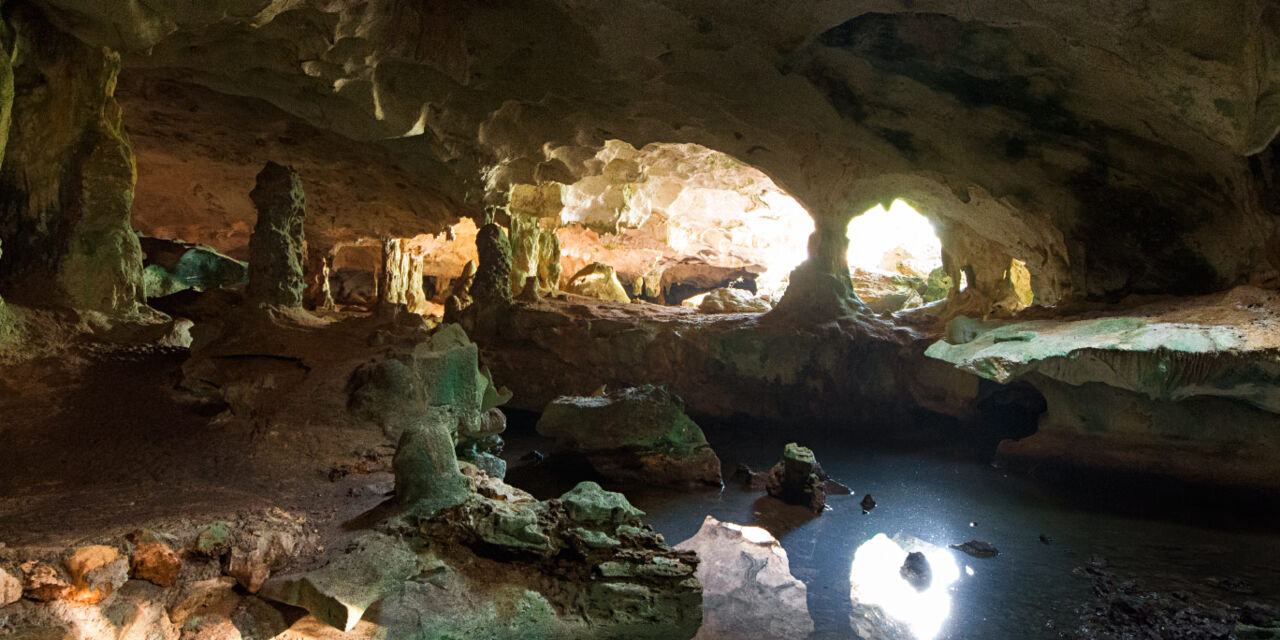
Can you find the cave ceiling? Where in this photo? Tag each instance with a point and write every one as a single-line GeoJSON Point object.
{"type": "Point", "coordinates": [1114, 146]}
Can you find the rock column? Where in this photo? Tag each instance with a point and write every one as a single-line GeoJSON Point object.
{"type": "Point", "coordinates": [492, 286]}
{"type": "Point", "coordinates": [820, 287]}
{"type": "Point", "coordinates": [68, 174]}
{"type": "Point", "coordinates": [277, 245]}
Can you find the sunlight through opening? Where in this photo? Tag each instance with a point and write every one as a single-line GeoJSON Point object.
{"type": "Point", "coordinates": [876, 581]}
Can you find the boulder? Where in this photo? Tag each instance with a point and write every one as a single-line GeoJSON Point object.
{"type": "Point", "coordinates": [339, 593]}
{"type": "Point", "coordinates": [748, 592]}
{"type": "Point", "coordinates": [95, 572]}
{"type": "Point", "coordinates": [732, 300]}
{"type": "Point", "coordinates": [155, 561]}
{"type": "Point", "coordinates": [638, 434]}
{"type": "Point", "coordinates": [43, 583]}
{"type": "Point", "coordinates": [597, 280]}
{"type": "Point", "coordinates": [426, 469]}
{"type": "Point", "coordinates": [588, 503]}
{"type": "Point", "coordinates": [258, 553]}
{"type": "Point", "coordinates": [10, 588]}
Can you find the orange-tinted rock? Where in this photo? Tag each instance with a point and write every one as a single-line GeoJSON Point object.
{"type": "Point", "coordinates": [95, 571]}
{"type": "Point", "coordinates": [155, 562]}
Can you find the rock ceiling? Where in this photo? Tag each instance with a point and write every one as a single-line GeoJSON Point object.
{"type": "Point", "coordinates": [1116, 147]}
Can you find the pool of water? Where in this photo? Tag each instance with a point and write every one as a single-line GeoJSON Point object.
{"type": "Point", "coordinates": [1168, 536]}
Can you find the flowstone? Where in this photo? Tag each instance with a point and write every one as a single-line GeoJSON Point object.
{"type": "Point", "coordinates": [638, 434]}
{"type": "Point", "coordinates": [426, 469]}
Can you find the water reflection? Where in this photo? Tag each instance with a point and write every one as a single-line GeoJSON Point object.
{"type": "Point", "coordinates": [875, 581]}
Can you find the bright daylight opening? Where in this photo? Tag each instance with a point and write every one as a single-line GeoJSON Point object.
{"type": "Point", "coordinates": [876, 580]}
{"type": "Point", "coordinates": [895, 259]}
{"type": "Point", "coordinates": [678, 220]}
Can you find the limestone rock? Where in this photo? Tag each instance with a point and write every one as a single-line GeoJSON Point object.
{"type": "Point", "coordinates": [638, 434]}
{"type": "Point", "coordinates": [587, 550]}
{"type": "Point", "coordinates": [43, 583]}
{"type": "Point", "coordinates": [798, 479]}
{"type": "Point", "coordinates": [597, 280]}
{"type": "Point", "coordinates": [191, 265]}
{"type": "Point", "coordinates": [258, 553]}
{"type": "Point", "coordinates": [10, 588]}
{"type": "Point", "coordinates": [588, 503]}
{"type": "Point", "coordinates": [213, 540]}
{"type": "Point", "coordinates": [95, 572]}
{"type": "Point", "coordinates": [748, 590]}
{"type": "Point", "coordinates": [276, 247]}
{"type": "Point", "coordinates": [339, 593]}
{"type": "Point", "coordinates": [203, 596]}
{"type": "Point", "coordinates": [492, 286]}
{"type": "Point", "coordinates": [156, 562]}
{"type": "Point", "coordinates": [426, 468]}
{"type": "Point", "coordinates": [731, 300]}
{"type": "Point", "coordinates": [916, 571]}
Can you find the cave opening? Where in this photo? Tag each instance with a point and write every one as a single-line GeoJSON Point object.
{"type": "Point", "coordinates": [676, 222]}
{"type": "Point", "coordinates": [895, 258]}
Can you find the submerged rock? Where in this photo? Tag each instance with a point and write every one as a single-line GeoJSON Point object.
{"type": "Point", "coordinates": [638, 434]}
{"type": "Point", "coordinates": [748, 591]}
{"type": "Point", "coordinates": [868, 503]}
{"type": "Point", "coordinates": [977, 549]}
{"type": "Point", "coordinates": [916, 571]}
{"type": "Point", "coordinates": [798, 479]}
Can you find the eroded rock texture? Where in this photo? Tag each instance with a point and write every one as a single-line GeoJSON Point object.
{"type": "Point", "coordinates": [278, 246]}
{"type": "Point", "coordinates": [636, 434]}
{"type": "Point", "coordinates": [66, 185]}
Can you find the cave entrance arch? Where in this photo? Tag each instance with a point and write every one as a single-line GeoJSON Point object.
{"type": "Point", "coordinates": [675, 221]}
{"type": "Point", "coordinates": [895, 258]}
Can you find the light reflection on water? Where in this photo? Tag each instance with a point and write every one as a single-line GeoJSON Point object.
{"type": "Point", "coordinates": [875, 580]}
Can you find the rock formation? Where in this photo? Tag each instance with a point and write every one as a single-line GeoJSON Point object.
{"type": "Point", "coordinates": [67, 182]}
{"type": "Point", "coordinates": [748, 590]}
{"type": "Point", "coordinates": [277, 247]}
{"type": "Point", "coordinates": [597, 280]}
{"type": "Point", "coordinates": [636, 434]}
{"type": "Point", "coordinates": [798, 479]}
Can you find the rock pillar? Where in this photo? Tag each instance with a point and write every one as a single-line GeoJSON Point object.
{"type": "Point", "coordinates": [400, 280]}
{"type": "Point", "coordinates": [820, 287]}
{"type": "Point", "coordinates": [277, 245]}
{"type": "Point", "coordinates": [492, 286]}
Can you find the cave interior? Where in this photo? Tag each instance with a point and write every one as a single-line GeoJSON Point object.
{"type": "Point", "coordinates": [642, 319]}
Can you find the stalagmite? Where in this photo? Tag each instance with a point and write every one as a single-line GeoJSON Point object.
{"type": "Point", "coordinates": [277, 245]}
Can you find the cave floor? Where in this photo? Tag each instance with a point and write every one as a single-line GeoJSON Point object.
{"type": "Point", "coordinates": [100, 443]}
{"type": "Point", "coordinates": [1210, 545]}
